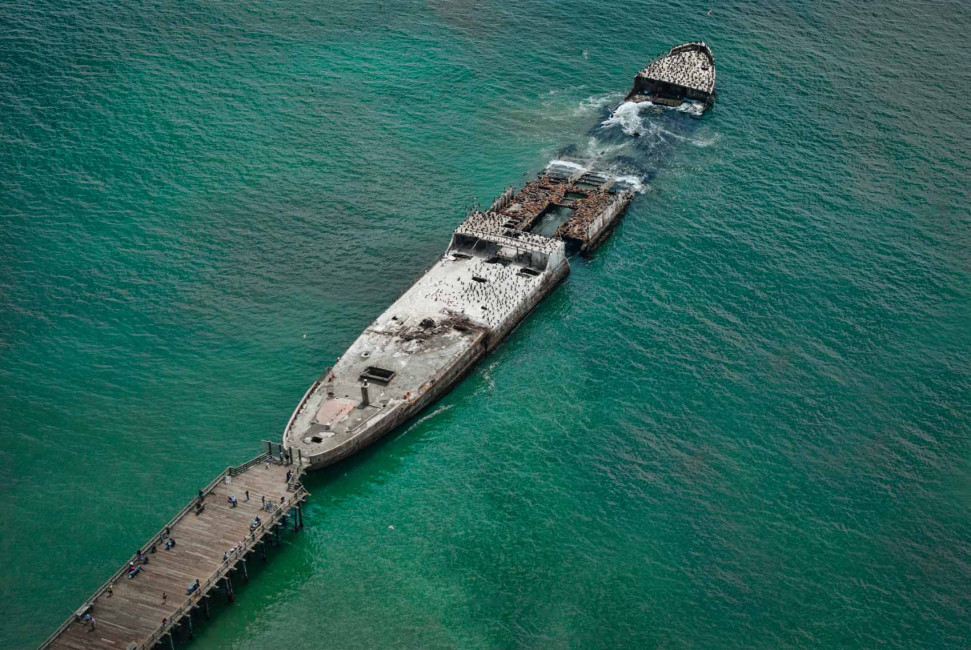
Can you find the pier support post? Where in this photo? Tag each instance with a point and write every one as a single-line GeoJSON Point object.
{"type": "Point", "coordinates": [300, 513]}
{"type": "Point", "coordinates": [229, 586]}
{"type": "Point", "coordinates": [189, 620]}
{"type": "Point", "coordinates": [205, 606]}
{"type": "Point", "coordinates": [295, 520]}
{"type": "Point", "coordinates": [263, 548]}
{"type": "Point", "coordinates": [245, 572]}
{"type": "Point", "coordinates": [171, 641]}
{"type": "Point", "coordinates": [276, 529]}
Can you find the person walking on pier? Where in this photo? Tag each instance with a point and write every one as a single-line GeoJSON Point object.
{"type": "Point", "coordinates": [247, 495]}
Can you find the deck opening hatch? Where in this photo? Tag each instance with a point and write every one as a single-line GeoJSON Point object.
{"type": "Point", "coordinates": [550, 219]}
{"type": "Point", "coordinates": [380, 375]}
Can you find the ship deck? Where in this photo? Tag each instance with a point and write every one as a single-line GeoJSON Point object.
{"type": "Point", "coordinates": [454, 307]}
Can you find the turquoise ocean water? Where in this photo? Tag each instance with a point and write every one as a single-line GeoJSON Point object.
{"type": "Point", "coordinates": [743, 422]}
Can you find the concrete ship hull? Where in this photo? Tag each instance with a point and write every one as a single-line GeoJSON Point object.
{"type": "Point", "coordinates": [494, 272]}
{"type": "Point", "coordinates": [500, 264]}
{"type": "Point", "coordinates": [449, 375]}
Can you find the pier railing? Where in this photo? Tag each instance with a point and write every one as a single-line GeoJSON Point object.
{"type": "Point", "coordinates": [227, 565]}
{"type": "Point", "coordinates": [156, 538]}
{"type": "Point", "coordinates": [236, 471]}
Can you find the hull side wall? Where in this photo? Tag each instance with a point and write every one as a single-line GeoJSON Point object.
{"type": "Point", "coordinates": [435, 389]}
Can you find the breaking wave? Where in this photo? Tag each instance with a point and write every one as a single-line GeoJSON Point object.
{"type": "Point", "coordinates": [628, 116]}
{"type": "Point", "coordinates": [596, 103]}
{"type": "Point", "coordinates": [631, 141]}
{"type": "Point", "coordinates": [635, 183]}
{"type": "Point", "coordinates": [565, 164]}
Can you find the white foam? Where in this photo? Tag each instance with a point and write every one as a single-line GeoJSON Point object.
{"type": "Point", "coordinates": [594, 103]}
{"type": "Point", "coordinates": [628, 117]}
{"type": "Point", "coordinates": [568, 164]}
{"type": "Point", "coordinates": [691, 107]}
{"type": "Point", "coordinates": [699, 142]}
{"type": "Point", "coordinates": [633, 182]}
{"type": "Point", "coordinates": [597, 149]}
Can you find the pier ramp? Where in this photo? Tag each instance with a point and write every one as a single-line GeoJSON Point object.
{"type": "Point", "coordinates": [213, 542]}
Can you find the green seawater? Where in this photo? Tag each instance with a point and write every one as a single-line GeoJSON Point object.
{"type": "Point", "coordinates": [744, 422]}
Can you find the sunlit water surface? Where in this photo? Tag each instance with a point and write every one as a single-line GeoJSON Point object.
{"type": "Point", "coordinates": [743, 422]}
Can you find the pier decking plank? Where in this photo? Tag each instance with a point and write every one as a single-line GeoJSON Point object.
{"type": "Point", "coordinates": [135, 611]}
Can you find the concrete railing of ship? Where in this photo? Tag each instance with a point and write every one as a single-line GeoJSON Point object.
{"type": "Point", "coordinates": [488, 226]}
{"type": "Point", "coordinates": [607, 215]}
{"type": "Point", "coordinates": [700, 46]}
{"type": "Point", "coordinates": [503, 199]}
{"type": "Point", "coordinates": [303, 400]}
{"type": "Point", "coordinates": [193, 600]}
{"type": "Point", "coordinates": [158, 538]}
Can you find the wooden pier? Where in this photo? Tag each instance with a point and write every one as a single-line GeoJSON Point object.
{"type": "Point", "coordinates": [213, 539]}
